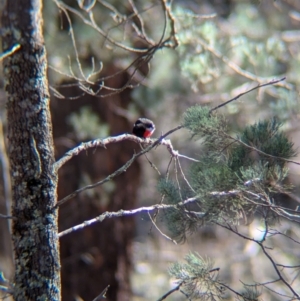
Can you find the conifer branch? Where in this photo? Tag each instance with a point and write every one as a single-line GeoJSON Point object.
{"type": "Point", "coordinates": [261, 152]}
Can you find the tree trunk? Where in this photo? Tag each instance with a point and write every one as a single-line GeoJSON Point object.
{"type": "Point", "coordinates": [102, 252]}
{"type": "Point", "coordinates": [31, 154]}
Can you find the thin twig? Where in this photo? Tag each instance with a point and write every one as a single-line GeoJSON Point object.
{"type": "Point", "coordinates": [9, 51]}
{"type": "Point", "coordinates": [184, 177]}
{"type": "Point", "coordinates": [272, 82]}
{"type": "Point", "coordinates": [163, 196]}
{"type": "Point", "coordinates": [164, 235]}
{"type": "Point", "coordinates": [263, 248]}
{"type": "Point", "coordinates": [167, 8]}
{"type": "Point", "coordinates": [5, 216]}
{"type": "Point", "coordinates": [102, 295]}
{"type": "Point", "coordinates": [261, 152]}
{"type": "Point", "coordinates": [176, 177]}
{"type": "Point", "coordinates": [151, 163]}
{"type": "Point", "coordinates": [176, 288]}
{"type": "Point", "coordinates": [141, 32]}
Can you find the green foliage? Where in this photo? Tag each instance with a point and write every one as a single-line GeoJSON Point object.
{"type": "Point", "coordinates": [204, 124]}
{"type": "Point", "coordinates": [286, 105]}
{"type": "Point", "coordinates": [209, 178]}
{"type": "Point", "coordinates": [87, 124]}
{"type": "Point", "coordinates": [199, 120]}
{"type": "Point", "coordinates": [177, 221]}
{"type": "Point", "coordinates": [250, 294]}
{"type": "Point", "coordinates": [263, 136]}
{"type": "Point", "coordinates": [169, 190]}
{"type": "Point", "coordinates": [195, 63]}
{"type": "Point", "coordinates": [251, 43]}
{"type": "Point", "coordinates": [231, 186]}
{"type": "Point", "coordinates": [199, 281]}
{"type": "Point", "coordinates": [208, 175]}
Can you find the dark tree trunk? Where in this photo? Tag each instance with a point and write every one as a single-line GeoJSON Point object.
{"type": "Point", "coordinates": [98, 255]}
{"type": "Point", "coordinates": [31, 154]}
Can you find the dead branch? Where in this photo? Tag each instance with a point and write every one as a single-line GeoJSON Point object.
{"type": "Point", "coordinates": [121, 212]}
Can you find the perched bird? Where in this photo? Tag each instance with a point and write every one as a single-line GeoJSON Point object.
{"type": "Point", "coordinates": [143, 128]}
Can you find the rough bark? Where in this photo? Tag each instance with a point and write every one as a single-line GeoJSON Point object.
{"type": "Point", "coordinates": [31, 154]}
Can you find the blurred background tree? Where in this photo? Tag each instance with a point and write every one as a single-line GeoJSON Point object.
{"type": "Point", "coordinates": [225, 47]}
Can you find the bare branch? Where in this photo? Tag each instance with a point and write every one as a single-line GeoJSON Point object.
{"type": "Point", "coordinates": [109, 178]}
{"type": "Point", "coordinates": [5, 216]}
{"type": "Point", "coordinates": [277, 271]}
{"type": "Point", "coordinates": [91, 22]}
{"type": "Point", "coordinates": [145, 54]}
{"type": "Point", "coordinates": [10, 51]}
{"type": "Point", "coordinates": [122, 169]}
{"type": "Point", "coordinates": [103, 142]}
{"type": "Point", "coordinates": [184, 177]}
{"type": "Point", "coordinates": [102, 295]}
{"type": "Point", "coordinates": [276, 232]}
{"type": "Point", "coordinates": [163, 234]}
{"type": "Point", "coordinates": [263, 248]}
{"type": "Point", "coordinates": [121, 212]}
{"type": "Point", "coordinates": [176, 288]}
{"type": "Point", "coordinates": [173, 39]}
{"type": "Point", "coordinates": [141, 32]}
{"type": "Point", "coordinates": [272, 82]}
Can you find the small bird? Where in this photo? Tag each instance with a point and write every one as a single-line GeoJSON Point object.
{"type": "Point", "coordinates": [143, 128]}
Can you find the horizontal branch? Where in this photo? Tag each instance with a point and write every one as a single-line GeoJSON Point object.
{"type": "Point", "coordinates": [125, 137]}
{"type": "Point", "coordinates": [6, 216]}
{"type": "Point", "coordinates": [91, 144]}
{"type": "Point", "coordinates": [121, 212]}
{"type": "Point", "coordinates": [103, 142]}
{"type": "Point", "coordinates": [148, 209]}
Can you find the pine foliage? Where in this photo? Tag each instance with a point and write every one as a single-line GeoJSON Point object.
{"type": "Point", "coordinates": [234, 180]}
{"type": "Point", "coordinates": [235, 176]}
{"type": "Point", "coordinates": [179, 222]}
{"type": "Point", "coordinates": [198, 279]}
{"type": "Point", "coordinates": [250, 294]}
{"type": "Point", "coordinates": [265, 137]}
{"type": "Point", "coordinates": [202, 123]}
